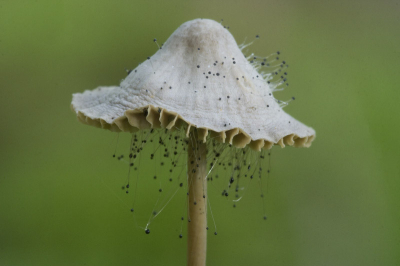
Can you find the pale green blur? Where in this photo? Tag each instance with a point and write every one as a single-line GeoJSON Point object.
{"type": "Point", "coordinates": [336, 203]}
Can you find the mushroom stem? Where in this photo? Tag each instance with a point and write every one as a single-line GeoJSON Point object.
{"type": "Point", "coordinates": [197, 171]}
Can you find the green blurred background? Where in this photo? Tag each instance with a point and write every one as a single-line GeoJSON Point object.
{"type": "Point", "coordinates": [336, 203]}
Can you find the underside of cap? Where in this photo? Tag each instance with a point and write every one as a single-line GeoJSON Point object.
{"type": "Point", "coordinates": [150, 117]}
{"type": "Point", "coordinates": [199, 79]}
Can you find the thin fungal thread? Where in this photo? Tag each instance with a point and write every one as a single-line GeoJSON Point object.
{"type": "Point", "coordinates": [168, 146]}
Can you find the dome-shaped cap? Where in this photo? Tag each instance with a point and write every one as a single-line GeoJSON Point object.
{"type": "Point", "coordinates": [199, 78]}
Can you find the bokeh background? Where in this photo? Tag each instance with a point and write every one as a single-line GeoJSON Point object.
{"type": "Point", "coordinates": [336, 203]}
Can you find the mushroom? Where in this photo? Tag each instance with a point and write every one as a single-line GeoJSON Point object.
{"type": "Point", "coordinates": [199, 82]}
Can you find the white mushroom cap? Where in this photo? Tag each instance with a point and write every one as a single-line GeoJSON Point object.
{"type": "Point", "coordinates": [199, 78]}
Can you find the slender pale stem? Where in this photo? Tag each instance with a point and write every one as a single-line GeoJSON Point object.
{"type": "Point", "coordinates": [197, 171]}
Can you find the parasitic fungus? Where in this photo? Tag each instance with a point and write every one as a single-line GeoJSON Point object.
{"type": "Point", "coordinates": [200, 84]}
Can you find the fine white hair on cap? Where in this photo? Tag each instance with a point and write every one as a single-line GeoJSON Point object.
{"type": "Point", "coordinates": [198, 78]}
